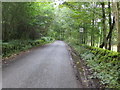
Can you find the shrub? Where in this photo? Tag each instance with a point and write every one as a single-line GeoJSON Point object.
{"type": "Point", "coordinates": [47, 39]}
{"type": "Point", "coordinates": [12, 47]}
{"type": "Point", "coordinates": [105, 64]}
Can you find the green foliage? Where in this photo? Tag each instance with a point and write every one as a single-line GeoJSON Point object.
{"type": "Point", "coordinates": [47, 39]}
{"type": "Point", "coordinates": [105, 65]}
{"type": "Point", "coordinates": [12, 47]}
{"type": "Point", "coordinates": [23, 23]}
{"type": "Point", "coordinates": [88, 15]}
{"type": "Point", "coordinates": [32, 20]}
{"type": "Point", "coordinates": [25, 20]}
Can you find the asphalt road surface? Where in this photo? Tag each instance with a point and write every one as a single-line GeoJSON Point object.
{"type": "Point", "coordinates": [44, 67]}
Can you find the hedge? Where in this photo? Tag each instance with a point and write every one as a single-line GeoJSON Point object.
{"type": "Point", "coordinates": [105, 65]}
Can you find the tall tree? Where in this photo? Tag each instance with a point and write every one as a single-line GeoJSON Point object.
{"type": "Point", "coordinates": [110, 25]}
{"type": "Point", "coordinates": [117, 23]}
{"type": "Point", "coordinates": [118, 8]}
{"type": "Point", "coordinates": [104, 25]}
{"type": "Point", "coordinates": [25, 20]}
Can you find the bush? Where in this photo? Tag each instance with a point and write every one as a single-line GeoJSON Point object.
{"type": "Point", "coordinates": [17, 46]}
{"type": "Point", "coordinates": [105, 64]}
{"type": "Point", "coordinates": [47, 39]}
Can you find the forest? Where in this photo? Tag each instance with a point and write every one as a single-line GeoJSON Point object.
{"type": "Point", "coordinates": [92, 29]}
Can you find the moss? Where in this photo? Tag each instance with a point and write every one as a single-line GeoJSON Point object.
{"type": "Point", "coordinates": [105, 65]}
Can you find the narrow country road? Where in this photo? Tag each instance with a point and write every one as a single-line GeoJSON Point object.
{"type": "Point", "coordinates": [48, 66]}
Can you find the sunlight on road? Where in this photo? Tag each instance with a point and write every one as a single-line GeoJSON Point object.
{"type": "Point", "coordinates": [60, 43]}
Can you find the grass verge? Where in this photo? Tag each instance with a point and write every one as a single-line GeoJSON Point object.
{"type": "Point", "coordinates": [103, 64]}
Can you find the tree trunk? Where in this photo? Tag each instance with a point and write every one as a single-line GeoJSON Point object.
{"type": "Point", "coordinates": [92, 34]}
{"type": "Point", "coordinates": [110, 26]}
{"type": "Point", "coordinates": [118, 27]}
{"type": "Point", "coordinates": [104, 27]}
{"type": "Point", "coordinates": [108, 36]}
{"type": "Point", "coordinates": [117, 23]}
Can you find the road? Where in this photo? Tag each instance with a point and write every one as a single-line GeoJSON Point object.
{"type": "Point", "coordinates": [44, 67]}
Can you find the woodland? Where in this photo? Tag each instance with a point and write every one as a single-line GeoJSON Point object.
{"type": "Point", "coordinates": [91, 28]}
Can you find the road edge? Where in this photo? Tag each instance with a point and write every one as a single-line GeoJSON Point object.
{"type": "Point", "coordinates": [82, 76]}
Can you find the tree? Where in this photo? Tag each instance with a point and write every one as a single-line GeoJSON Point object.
{"type": "Point", "coordinates": [117, 22]}
{"type": "Point", "coordinates": [110, 26]}
{"type": "Point", "coordinates": [104, 25]}
{"type": "Point", "coordinates": [25, 20]}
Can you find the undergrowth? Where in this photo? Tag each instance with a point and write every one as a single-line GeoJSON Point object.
{"type": "Point", "coordinates": [104, 64]}
{"type": "Point", "coordinates": [13, 47]}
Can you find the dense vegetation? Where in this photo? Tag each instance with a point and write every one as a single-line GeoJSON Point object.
{"type": "Point", "coordinates": [17, 46]}
{"type": "Point", "coordinates": [86, 26]}
{"type": "Point", "coordinates": [23, 23]}
{"type": "Point", "coordinates": [25, 20]}
{"type": "Point", "coordinates": [105, 65]}
{"type": "Point", "coordinates": [96, 19]}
